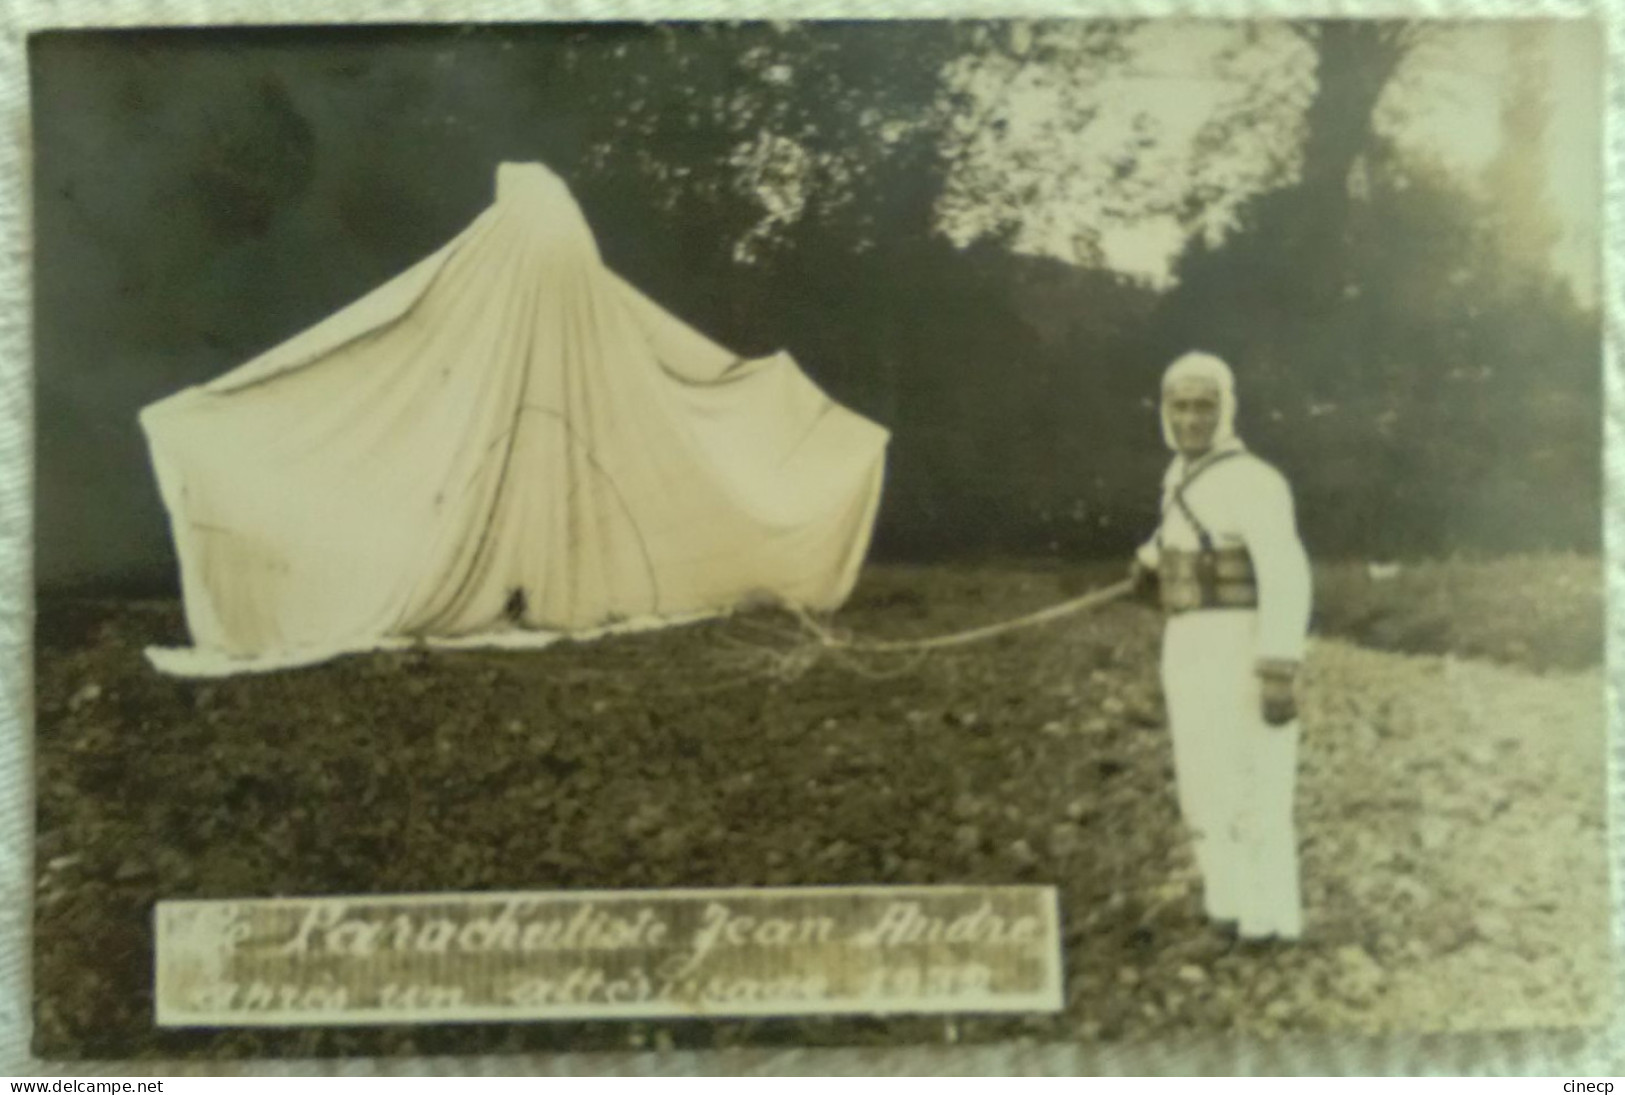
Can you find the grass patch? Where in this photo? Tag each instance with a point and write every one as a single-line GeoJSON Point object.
{"type": "Point", "coordinates": [1540, 612]}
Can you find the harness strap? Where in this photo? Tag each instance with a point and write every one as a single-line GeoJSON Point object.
{"type": "Point", "coordinates": [1177, 498]}
{"type": "Point", "coordinates": [1202, 534]}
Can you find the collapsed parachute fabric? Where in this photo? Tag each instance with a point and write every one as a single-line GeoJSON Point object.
{"type": "Point", "coordinates": [505, 443]}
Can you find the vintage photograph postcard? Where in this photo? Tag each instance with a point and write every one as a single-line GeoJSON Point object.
{"type": "Point", "coordinates": [722, 534]}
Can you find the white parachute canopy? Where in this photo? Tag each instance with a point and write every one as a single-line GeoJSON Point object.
{"type": "Point", "coordinates": [504, 444]}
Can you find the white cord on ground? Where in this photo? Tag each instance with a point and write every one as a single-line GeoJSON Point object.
{"type": "Point", "coordinates": [1087, 602]}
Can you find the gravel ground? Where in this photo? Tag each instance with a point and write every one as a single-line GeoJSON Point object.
{"type": "Point", "coordinates": [1458, 855]}
{"type": "Point", "coordinates": [1452, 810]}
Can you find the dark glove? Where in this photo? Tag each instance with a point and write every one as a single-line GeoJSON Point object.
{"type": "Point", "coordinates": [1278, 690]}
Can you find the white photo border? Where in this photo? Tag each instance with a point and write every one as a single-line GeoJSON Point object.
{"type": "Point", "coordinates": [1596, 1052]}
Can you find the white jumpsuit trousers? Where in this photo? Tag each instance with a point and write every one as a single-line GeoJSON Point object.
{"type": "Point", "coordinates": [1236, 773]}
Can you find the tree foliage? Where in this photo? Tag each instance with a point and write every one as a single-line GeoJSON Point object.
{"type": "Point", "coordinates": [859, 194]}
{"type": "Point", "coordinates": [1445, 398]}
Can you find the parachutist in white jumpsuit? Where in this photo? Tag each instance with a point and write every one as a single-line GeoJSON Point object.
{"type": "Point", "coordinates": [1235, 585]}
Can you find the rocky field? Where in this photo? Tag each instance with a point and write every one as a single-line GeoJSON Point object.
{"type": "Point", "coordinates": [1451, 804]}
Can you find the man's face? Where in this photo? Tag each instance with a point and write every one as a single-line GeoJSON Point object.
{"type": "Point", "coordinates": [1192, 406]}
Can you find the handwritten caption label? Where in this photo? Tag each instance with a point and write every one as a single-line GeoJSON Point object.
{"type": "Point", "coordinates": [624, 954]}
